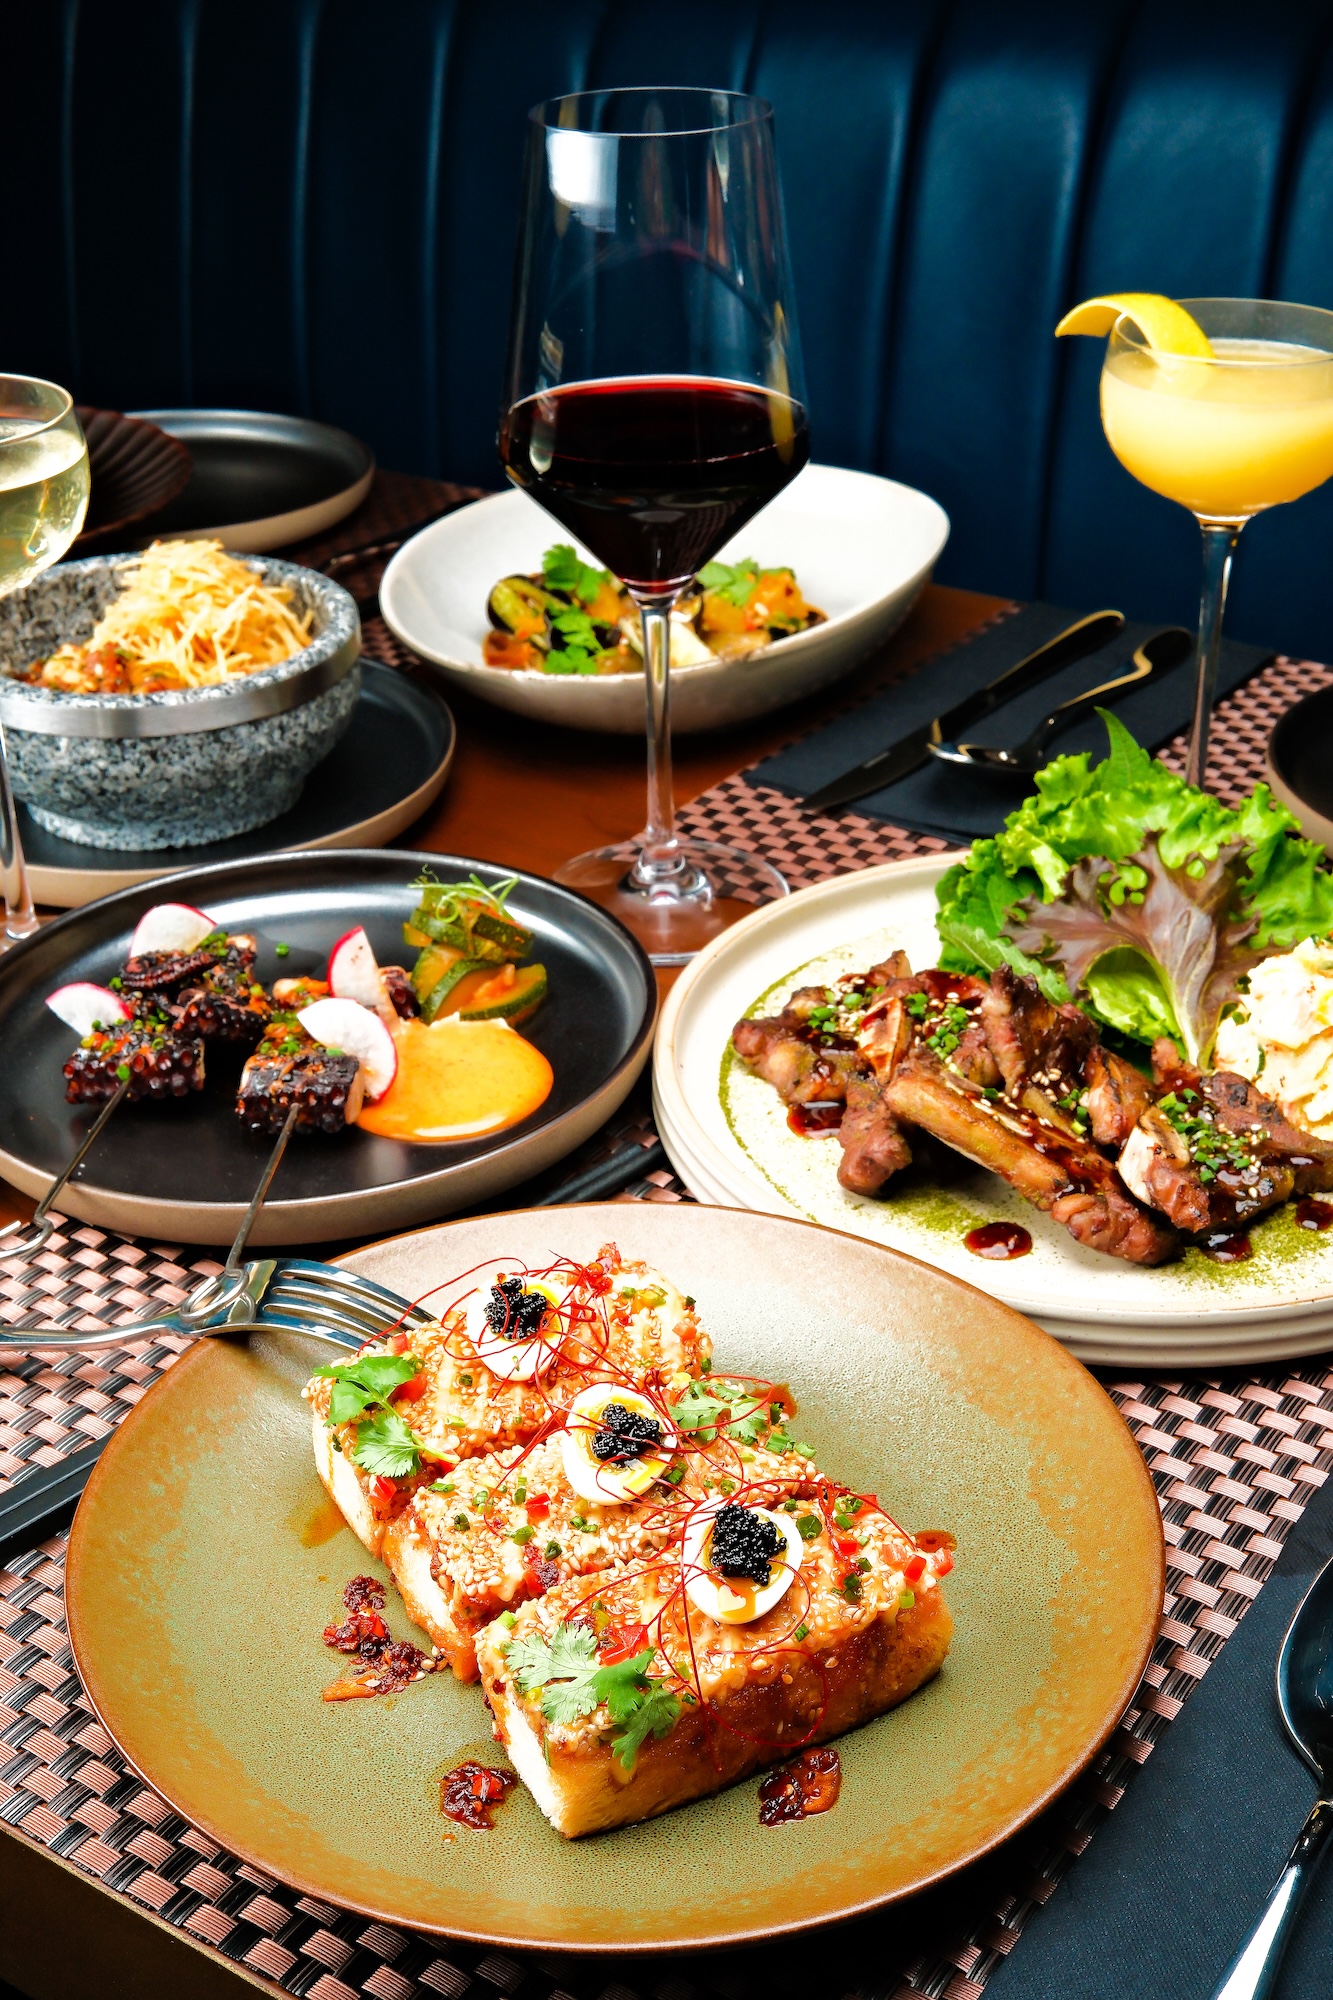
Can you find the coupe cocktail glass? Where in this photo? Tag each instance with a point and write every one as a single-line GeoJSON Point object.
{"type": "Point", "coordinates": [44, 485]}
{"type": "Point", "coordinates": [1226, 435]}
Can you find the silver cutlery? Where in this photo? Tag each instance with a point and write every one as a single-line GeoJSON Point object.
{"type": "Point", "coordinates": [1156, 656]}
{"type": "Point", "coordinates": [911, 751]}
{"type": "Point", "coordinates": [25, 1239]}
{"type": "Point", "coordinates": [295, 1292]}
{"type": "Point", "coordinates": [1305, 1698]}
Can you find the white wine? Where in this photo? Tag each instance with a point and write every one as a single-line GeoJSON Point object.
{"type": "Point", "coordinates": [43, 496]}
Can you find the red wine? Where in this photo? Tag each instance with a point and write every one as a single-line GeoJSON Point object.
{"type": "Point", "coordinates": [654, 474]}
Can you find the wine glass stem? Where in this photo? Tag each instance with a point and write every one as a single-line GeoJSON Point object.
{"type": "Point", "coordinates": [659, 855]}
{"type": "Point", "coordinates": [1219, 546]}
{"type": "Point", "coordinates": [20, 917]}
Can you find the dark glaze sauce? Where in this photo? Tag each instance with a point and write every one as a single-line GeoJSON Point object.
{"type": "Point", "coordinates": [1226, 1246]}
{"type": "Point", "coordinates": [471, 1794]}
{"type": "Point", "coordinates": [809, 1784]}
{"type": "Point", "coordinates": [815, 1121]}
{"type": "Point", "coordinates": [999, 1240]}
{"type": "Point", "coordinates": [1311, 1214]}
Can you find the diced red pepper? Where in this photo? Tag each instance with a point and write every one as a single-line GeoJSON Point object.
{"type": "Point", "coordinates": [398, 1343]}
{"type": "Point", "coordinates": [538, 1507]}
{"type": "Point", "coordinates": [915, 1567]}
{"type": "Point", "coordinates": [622, 1642]}
{"type": "Point", "coordinates": [385, 1490]}
{"type": "Point", "coordinates": [413, 1391]}
{"type": "Point", "coordinates": [943, 1563]}
{"type": "Point", "coordinates": [846, 1545]}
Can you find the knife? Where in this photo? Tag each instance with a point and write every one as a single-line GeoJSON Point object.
{"type": "Point", "coordinates": [910, 752]}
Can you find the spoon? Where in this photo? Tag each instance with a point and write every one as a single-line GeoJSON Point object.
{"type": "Point", "coordinates": [1305, 1697]}
{"type": "Point", "coordinates": [1157, 655]}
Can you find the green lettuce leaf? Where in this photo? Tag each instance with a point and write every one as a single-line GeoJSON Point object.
{"type": "Point", "coordinates": [1131, 812]}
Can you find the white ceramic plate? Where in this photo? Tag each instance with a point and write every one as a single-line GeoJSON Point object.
{"type": "Point", "coordinates": [861, 547]}
{"type": "Point", "coordinates": [727, 1136]}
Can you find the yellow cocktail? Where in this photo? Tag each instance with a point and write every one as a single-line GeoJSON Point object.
{"type": "Point", "coordinates": [1224, 405]}
{"type": "Point", "coordinates": [1227, 436]}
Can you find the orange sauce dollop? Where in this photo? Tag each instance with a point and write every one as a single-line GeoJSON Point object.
{"type": "Point", "coordinates": [458, 1080]}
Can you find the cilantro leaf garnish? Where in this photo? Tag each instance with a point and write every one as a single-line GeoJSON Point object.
{"type": "Point", "coordinates": [385, 1447]}
{"type": "Point", "coordinates": [563, 569]}
{"type": "Point", "coordinates": [721, 1405]}
{"type": "Point", "coordinates": [657, 1711]}
{"type": "Point", "coordinates": [564, 1669]}
{"type": "Point", "coordinates": [733, 581]}
{"type": "Point", "coordinates": [363, 1388]}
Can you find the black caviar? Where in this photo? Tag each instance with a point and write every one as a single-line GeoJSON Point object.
{"type": "Point", "coordinates": [624, 1434]}
{"type": "Point", "coordinates": [516, 1314]}
{"type": "Point", "coordinates": [744, 1543]}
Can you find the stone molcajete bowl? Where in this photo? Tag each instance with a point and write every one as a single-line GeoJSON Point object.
{"type": "Point", "coordinates": [176, 769]}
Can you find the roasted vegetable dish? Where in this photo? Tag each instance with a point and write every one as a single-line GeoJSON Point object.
{"type": "Point", "coordinates": [570, 618]}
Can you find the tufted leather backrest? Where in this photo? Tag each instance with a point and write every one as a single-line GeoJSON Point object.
{"type": "Point", "coordinates": [310, 205]}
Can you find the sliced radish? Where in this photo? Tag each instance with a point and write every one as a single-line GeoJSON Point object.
{"type": "Point", "coordinates": [342, 1024]}
{"type": "Point", "coordinates": [354, 972]}
{"type": "Point", "coordinates": [170, 927]}
{"type": "Point", "coordinates": [84, 1006]}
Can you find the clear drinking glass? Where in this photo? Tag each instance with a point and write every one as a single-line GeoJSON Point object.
{"type": "Point", "coordinates": [1226, 435]}
{"type": "Point", "coordinates": [43, 499]}
{"type": "Point", "coordinates": [653, 403]}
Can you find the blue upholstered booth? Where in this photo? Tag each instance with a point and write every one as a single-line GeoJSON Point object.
{"type": "Point", "coordinates": [310, 205]}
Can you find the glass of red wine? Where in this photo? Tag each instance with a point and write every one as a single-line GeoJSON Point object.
{"type": "Point", "coordinates": [653, 404]}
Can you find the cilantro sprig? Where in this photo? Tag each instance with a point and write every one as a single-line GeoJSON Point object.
{"type": "Point", "coordinates": [385, 1446]}
{"type": "Point", "coordinates": [564, 1669]}
{"type": "Point", "coordinates": [563, 569]}
{"type": "Point", "coordinates": [579, 649]}
{"type": "Point", "coordinates": [705, 1408]}
{"type": "Point", "coordinates": [734, 582]}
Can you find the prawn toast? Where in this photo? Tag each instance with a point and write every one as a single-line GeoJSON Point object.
{"type": "Point", "coordinates": [510, 1353]}
{"type": "Point", "coordinates": [781, 1616]}
{"type": "Point", "coordinates": [508, 1527]}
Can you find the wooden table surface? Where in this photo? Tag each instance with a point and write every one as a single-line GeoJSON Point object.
{"type": "Point", "coordinates": [528, 796]}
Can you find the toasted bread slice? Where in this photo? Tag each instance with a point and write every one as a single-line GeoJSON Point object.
{"type": "Point", "coordinates": [629, 1324]}
{"type": "Point", "coordinates": [456, 1560]}
{"type": "Point", "coordinates": [506, 1528]}
{"type": "Point", "coordinates": [830, 1655]}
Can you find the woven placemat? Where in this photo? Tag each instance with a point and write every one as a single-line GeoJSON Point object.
{"type": "Point", "coordinates": [1233, 1461]}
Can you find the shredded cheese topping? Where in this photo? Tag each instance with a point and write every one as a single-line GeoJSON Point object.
{"type": "Point", "coordinates": [189, 615]}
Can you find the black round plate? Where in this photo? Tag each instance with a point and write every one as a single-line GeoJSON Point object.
{"type": "Point", "coordinates": [1300, 758]}
{"type": "Point", "coordinates": [185, 1171]}
{"type": "Point", "coordinates": [251, 467]}
{"type": "Point", "coordinates": [375, 781]}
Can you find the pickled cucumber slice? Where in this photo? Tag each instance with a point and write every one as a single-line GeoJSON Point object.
{"type": "Point", "coordinates": [510, 994]}
{"type": "Point", "coordinates": [437, 1000]}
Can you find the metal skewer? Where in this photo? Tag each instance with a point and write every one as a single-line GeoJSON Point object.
{"type": "Point", "coordinates": [41, 1220]}
{"type": "Point", "coordinates": [230, 1299]}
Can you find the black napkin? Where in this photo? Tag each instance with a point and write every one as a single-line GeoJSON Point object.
{"type": "Point", "coordinates": [958, 804]}
{"type": "Point", "coordinates": [1171, 1884]}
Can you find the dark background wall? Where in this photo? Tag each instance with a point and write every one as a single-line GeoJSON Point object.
{"type": "Point", "coordinates": [310, 205]}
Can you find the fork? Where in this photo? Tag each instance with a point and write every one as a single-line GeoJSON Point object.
{"type": "Point", "coordinates": [298, 1293]}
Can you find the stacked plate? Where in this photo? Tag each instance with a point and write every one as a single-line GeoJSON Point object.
{"type": "Point", "coordinates": [727, 1136]}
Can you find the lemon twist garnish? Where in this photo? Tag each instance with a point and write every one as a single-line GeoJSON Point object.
{"type": "Point", "coordinates": [1165, 326]}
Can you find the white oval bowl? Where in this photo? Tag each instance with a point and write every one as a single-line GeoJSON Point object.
{"type": "Point", "coordinates": [862, 549]}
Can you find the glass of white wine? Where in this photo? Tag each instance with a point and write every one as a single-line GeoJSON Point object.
{"type": "Point", "coordinates": [44, 485]}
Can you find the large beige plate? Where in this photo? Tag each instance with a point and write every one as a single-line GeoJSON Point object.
{"type": "Point", "coordinates": [197, 1594]}
{"type": "Point", "coordinates": [727, 1135]}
